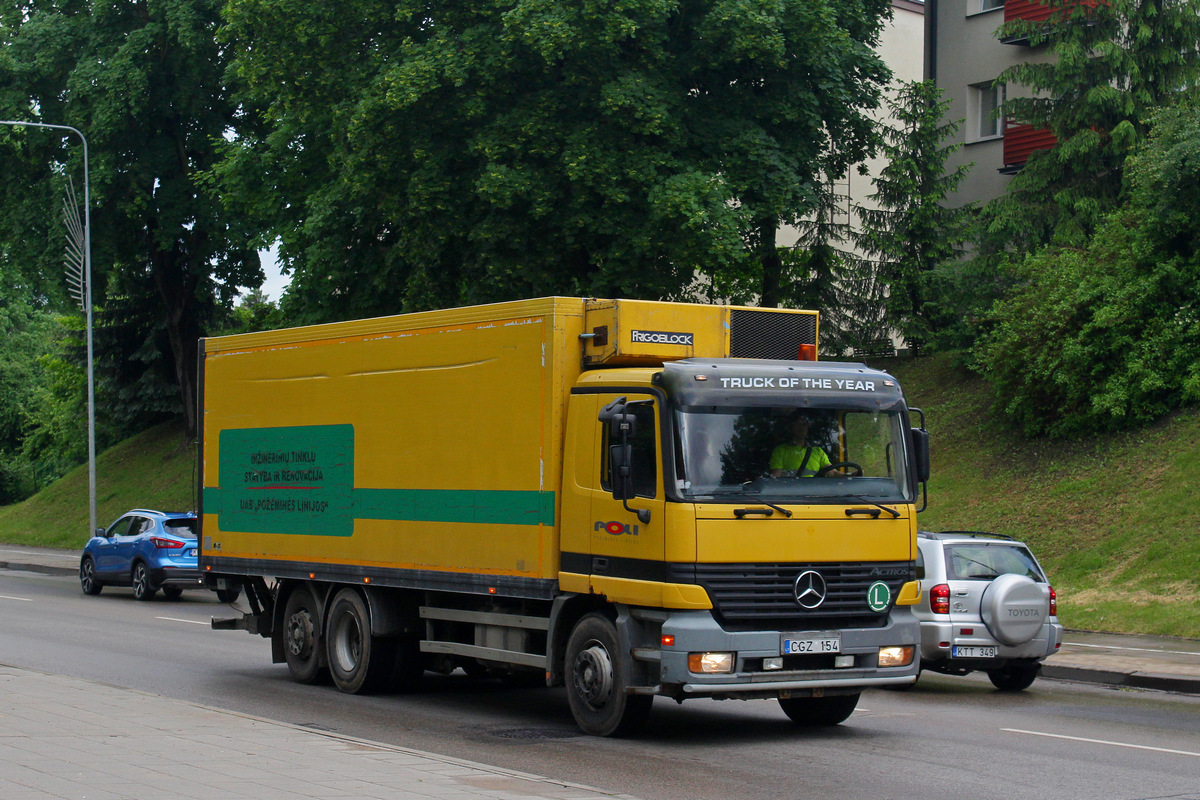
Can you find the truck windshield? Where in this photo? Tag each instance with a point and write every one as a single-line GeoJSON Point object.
{"type": "Point", "coordinates": [787, 455]}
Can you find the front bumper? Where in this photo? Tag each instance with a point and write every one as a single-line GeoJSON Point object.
{"type": "Point", "coordinates": [697, 631]}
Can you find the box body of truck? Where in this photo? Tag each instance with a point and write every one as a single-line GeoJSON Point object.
{"type": "Point", "coordinates": [573, 488]}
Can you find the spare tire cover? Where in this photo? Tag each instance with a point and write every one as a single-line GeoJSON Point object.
{"type": "Point", "coordinates": [1014, 608]}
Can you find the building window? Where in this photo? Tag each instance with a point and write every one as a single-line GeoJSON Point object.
{"type": "Point", "coordinates": [983, 105]}
{"type": "Point", "coordinates": [988, 5]}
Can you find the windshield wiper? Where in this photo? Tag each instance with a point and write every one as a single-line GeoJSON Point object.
{"type": "Point", "coordinates": [750, 498]}
{"type": "Point", "coordinates": [860, 499]}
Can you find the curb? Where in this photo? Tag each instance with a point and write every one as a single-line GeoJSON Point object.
{"type": "Point", "coordinates": [44, 569]}
{"type": "Point", "coordinates": [1133, 680]}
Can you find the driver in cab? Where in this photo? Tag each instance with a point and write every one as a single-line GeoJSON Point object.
{"type": "Point", "coordinates": [797, 458]}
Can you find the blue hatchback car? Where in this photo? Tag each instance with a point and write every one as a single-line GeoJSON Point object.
{"type": "Point", "coordinates": [148, 550]}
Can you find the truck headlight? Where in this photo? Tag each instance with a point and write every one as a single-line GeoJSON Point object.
{"type": "Point", "coordinates": [710, 662]}
{"type": "Point", "coordinates": [896, 656]}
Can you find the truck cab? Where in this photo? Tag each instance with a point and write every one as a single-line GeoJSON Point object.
{"type": "Point", "coordinates": [767, 507]}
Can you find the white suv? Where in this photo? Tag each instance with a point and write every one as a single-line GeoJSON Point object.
{"type": "Point", "coordinates": [985, 605]}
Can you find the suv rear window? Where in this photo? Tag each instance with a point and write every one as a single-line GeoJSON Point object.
{"type": "Point", "coordinates": [987, 561]}
{"type": "Point", "coordinates": [181, 527]}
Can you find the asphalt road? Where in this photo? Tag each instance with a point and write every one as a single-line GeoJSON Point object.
{"type": "Point", "coordinates": [947, 738]}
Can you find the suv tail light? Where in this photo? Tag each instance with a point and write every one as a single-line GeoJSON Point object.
{"type": "Point", "coordinates": [165, 544]}
{"type": "Point", "coordinates": [1053, 602]}
{"type": "Point", "coordinates": [939, 599]}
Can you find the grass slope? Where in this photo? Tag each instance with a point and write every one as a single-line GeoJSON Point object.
{"type": "Point", "coordinates": [1111, 519]}
{"type": "Point", "coordinates": [151, 470]}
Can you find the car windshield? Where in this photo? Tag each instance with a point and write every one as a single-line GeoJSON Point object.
{"type": "Point", "coordinates": [987, 561]}
{"type": "Point", "coordinates": [786, 455]}
{"type": "Point", "coordinates": [185, 527]}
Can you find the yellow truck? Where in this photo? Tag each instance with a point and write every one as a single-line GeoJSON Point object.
{"type": "Point", "coordinates": [629, 498]}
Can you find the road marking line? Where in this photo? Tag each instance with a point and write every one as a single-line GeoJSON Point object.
{"type": "Point", "coordinates": [1135, 649]}
{"type": "Point", "coordinates": [176, 619]}
{"type": "Point", "coordinates": [1103, 741]}
{"type": "Point", "coordinates": [22, 599]}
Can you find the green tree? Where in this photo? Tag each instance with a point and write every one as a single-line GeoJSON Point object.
{"type": "Point", "coordinates": [25, 333]}
{"type": "Point", "coordinates": [412, 156]}
{"type": "Point", "coordinates": [144, 81]}
{"type": "Point", "coordinates": [912, 237]}
{"type": "Point", "coordinates": [1107, 337]}
{"type": "Point", "coordinates": [1111, 65]}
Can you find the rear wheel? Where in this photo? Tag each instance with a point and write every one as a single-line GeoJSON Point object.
{"type": "Point", "coordinates": [1014, 677]}
{"type": "Point", "coordinates": [172, 592]}
{"type": "Point", "coordinates": [301, 644]}
{"type": "Point", "coordinates": [87, 577]}
{"type": "Point", "coordinates": [597, 681]}
{"type": "Point", "coordinates": [358, 662]}
{"type": "Point", "coordinates": [819, 711]}
{"type": "Point", "coordinates": [143, 589]}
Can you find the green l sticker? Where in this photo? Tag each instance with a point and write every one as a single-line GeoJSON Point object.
{"type": "Point", "coordinates": [879, 596]}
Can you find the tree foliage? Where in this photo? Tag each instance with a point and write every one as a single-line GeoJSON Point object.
{"type": "Point", "coordinates": [144, 81]}
{"type": "Point", "coordinates": [911, 236]}
{"type": "Point", "coordinates": [1110, 66]}
{"type": "Point", "coordinates": [411, 155]}
{"type": "Point", "coordinates": [1107, 336]}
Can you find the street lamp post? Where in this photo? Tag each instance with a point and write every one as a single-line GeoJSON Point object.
{"type": "Point", "coordinates": [87, 307]}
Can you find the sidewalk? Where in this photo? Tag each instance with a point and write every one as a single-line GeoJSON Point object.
{"type": "Point", "coordinates": [66, 738]}
{"type": "Point", "coordinates": [1146, 662]}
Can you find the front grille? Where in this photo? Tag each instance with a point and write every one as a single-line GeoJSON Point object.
{"type": "Point", "coordinates": [769, 334]}
{"type": "Point", "coordinates": [754, 596]}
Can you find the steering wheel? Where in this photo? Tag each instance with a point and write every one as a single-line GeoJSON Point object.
{"type": "Point", "coordinates": [843, 465]}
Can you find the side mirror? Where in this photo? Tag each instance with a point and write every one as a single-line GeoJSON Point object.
{"type": "Point", "coordinates": [620, 458]}
{"type": "Point", "coordinates": [920, 440]}
{"type": "Point", "coordinates": [101, 533]}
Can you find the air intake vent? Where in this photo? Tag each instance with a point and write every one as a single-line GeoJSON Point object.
{"type": "Point", "coordinates": [770, 334]}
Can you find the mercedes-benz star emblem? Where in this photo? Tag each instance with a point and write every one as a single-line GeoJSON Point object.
{"type": "Point", "coordinates": [809, 589]}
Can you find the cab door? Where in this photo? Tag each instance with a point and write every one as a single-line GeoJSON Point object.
{"type": "Point", "coordinates": [623, 547]}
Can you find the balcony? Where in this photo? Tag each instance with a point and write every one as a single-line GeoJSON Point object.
{"type": "Point", "coordinates": [1035, 11]}
{"type": "Point", "coordinates": [1019, 142]}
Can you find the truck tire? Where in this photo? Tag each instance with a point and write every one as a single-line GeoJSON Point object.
{"type": "Point", "coordinates": [813, 712]}
{"type": "Point", "coordinates": [597, 681]}
{"type": "Point", "coordinates": [359, 663]}
{"type": "Point", "coordinates": [301, 639]}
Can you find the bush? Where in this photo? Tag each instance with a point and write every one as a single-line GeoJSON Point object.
{"type": "Point", "coordinates": [1097, 339]}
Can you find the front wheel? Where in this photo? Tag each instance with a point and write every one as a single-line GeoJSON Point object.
{"type": "Point", "coordinates": [359, 662]}
{"type": "Point", "coordinates": [87, 577]}
{"type": "Point", "coordinates": [816, 712]}
{"type": "Point", "coordinates": [597, 681]}
{"type": "Point", "coordinates": [1014, 677]}
{"type": "Point", "coordinates": [143, 589]}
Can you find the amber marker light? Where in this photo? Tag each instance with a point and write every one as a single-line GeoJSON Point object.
{"type": "Point", "coordinates": [491, 590]}
{"type": "Point", "coordinates": [668, 640]}
{"type": "Point", "coordinates": [708, 663]}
